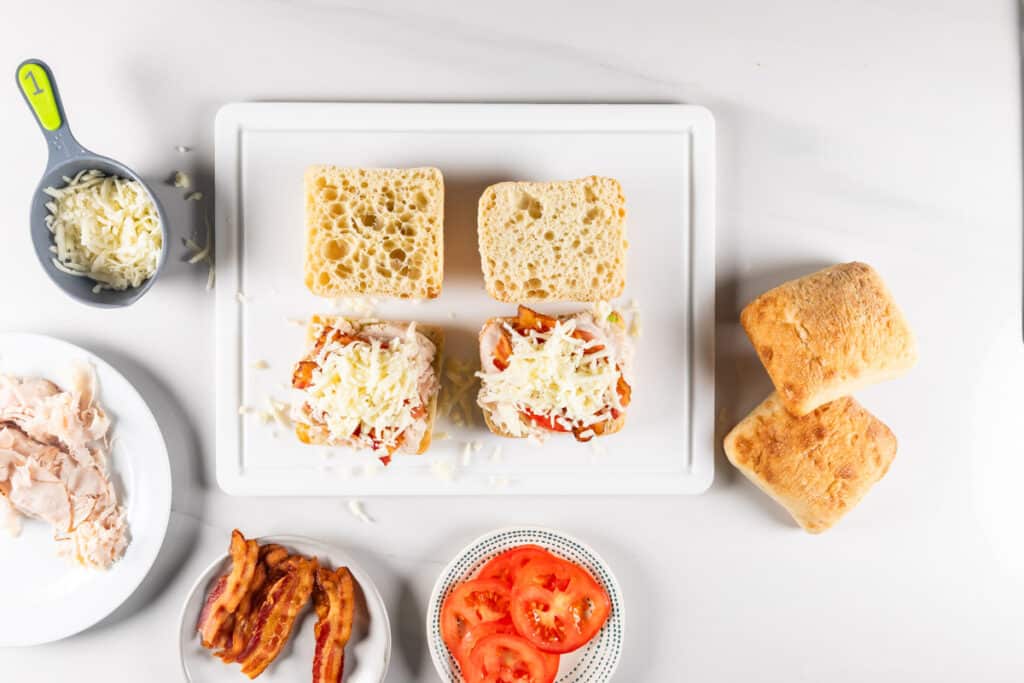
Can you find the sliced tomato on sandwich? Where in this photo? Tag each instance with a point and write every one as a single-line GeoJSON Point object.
{"type": "Point", "coordinates": [547, 422]}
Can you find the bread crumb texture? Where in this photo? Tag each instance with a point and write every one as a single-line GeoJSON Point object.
{"type": "Point", "coordinates": [374, 231]}
{"type": "Point", "coordinates": [829, 334]}
{"type": "Point", "coordinates": [553, 241]}
{"type": "Point", "coordinates": [818, 466]}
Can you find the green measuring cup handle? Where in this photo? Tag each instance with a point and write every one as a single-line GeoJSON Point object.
{"type": "Point", "coordinates": [39, 88]}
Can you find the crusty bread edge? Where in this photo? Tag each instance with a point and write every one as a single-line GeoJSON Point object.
{"type": "Point", "coordinates": [617, 425]}
{"type": "Point", "coordinates": [432, 332]}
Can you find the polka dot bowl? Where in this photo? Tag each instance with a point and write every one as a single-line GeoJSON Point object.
{"type": "Point", "coordinates": [595, 662]}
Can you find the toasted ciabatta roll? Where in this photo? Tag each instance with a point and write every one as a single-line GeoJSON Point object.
{"type": "Point", "coordinates": [542, 374]}
{"type": "Point", "coordinates": [555, 241]}
{"type": "Point", "coordinates": [377, 231]}
{"type": "Point", "coordinates": [368, 384]}
{"type": "Point", "coordinates": [818, 466]}
{"type": "Point", "coordinates": [829, 334]}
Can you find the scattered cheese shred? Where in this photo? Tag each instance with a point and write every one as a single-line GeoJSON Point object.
{"type": "Point", "coordinates": [357, 510]}
{"type": "Point", "coordinates": [443, 470]}
{"type": "Point", "coordinates": [105, 228]}
{"type": "Point", "coordinates": [279, 411]}
{"type": "Point", "coordinates": [194, 197]}
{"type": "Point", "coordinates": [182, 180]}
{"type": "Point", "coordinates": [260, 365]}
{"type": "Point", "coordinates": [242, 298]}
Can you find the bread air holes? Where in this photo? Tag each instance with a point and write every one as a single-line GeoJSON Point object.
{"type": "Point", "coordinates": [320, 182]}
{"type": "Point", "coordinates": [343, 271]}
{"type": "Point", "coordinates": [334, 250]}
{"type": "Point", "coordinates": [329, 193]}
{"type": "Point", "coordinates": [499, 286]}
{"type": "Point", "coordinates": [323, 278]}
{"type": "Point", "coordinates": [588, 194]}
{"type": "Point", "coordinates": [335, 209]}
{"type": "Point", "coordinates": [369, 220]}
{"type": "Point", "coordinates": [537, 294]}
{"type": "Point", "coordinates": [592, 215]}
{"type": "Point", "coordinates": [549, 235]}
{"type": "Point", "coordinates": [588, 250]}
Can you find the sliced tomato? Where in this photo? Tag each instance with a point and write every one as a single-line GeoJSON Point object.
{"type": "Point", "coordinates": [470, 604]}
{"type": "Point", "coordinates": [544, 421]}
{"type": "Point", "coordinates": [558, 606]}
{"type": "Point", "coordinates": [505, 567]}
{"type": "Point", "coordinates": [473, 636]}
{"type": "Point", "coordinates": [509, 658]}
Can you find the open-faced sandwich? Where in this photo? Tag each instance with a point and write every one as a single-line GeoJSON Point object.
{"type": "Point", "coordinates": [369, 385]}
{"type": "Point", "coordinates": [542, 374]}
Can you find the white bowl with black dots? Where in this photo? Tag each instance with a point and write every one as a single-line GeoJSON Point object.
{"type": "Point", "coordinates": [595, 662]}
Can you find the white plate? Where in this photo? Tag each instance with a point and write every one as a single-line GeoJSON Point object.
{"type": "Point", "coordinates": [366, 657]}
{"type": "Point", "coordinates": [47, 597]}
{"type": "Point", "coordinates": [664, 157]}
{"type": "Point", "coordinates": [593, 663]}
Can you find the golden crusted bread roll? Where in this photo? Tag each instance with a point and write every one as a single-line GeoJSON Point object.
{"type": "Point", "coordinates": [829, 334]}
{"type": "Point", "coordinates": [818, 466]}
{"type": "Point", "coordinates": [553, 241]}
{"type": "Point", "coordinates": [376, 231]}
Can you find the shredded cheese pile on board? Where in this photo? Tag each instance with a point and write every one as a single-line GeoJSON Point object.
{"type": "Point", "coordinates": [551, 374]}
{"type": "Point", "coordinates": [105, 228]}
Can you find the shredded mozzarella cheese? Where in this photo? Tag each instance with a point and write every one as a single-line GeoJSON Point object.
{"type": "Point", "coordinates": [553, 375]}
{"type": "Point", "coordinates": [105, 228]}
{"type": "Point", "coordinates": [372, 391]}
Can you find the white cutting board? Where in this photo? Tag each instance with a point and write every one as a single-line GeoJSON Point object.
{"type": "Point", "coordinates": [664, 156]}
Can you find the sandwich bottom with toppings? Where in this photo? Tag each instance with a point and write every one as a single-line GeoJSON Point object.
{"type": "Point", "coordinates": [542, 374]}
{"type": "Point", "coordinates": [368, 385]}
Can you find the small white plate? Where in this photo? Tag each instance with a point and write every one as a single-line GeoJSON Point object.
{"type": "Point", "coordinates": [367, 654]}
{"type": "Point", "coordinates": [593, 663]}
{"type": "Point", "coordinates": [47, 597]}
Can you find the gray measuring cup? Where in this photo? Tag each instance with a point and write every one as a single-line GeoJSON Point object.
{"type": "Point", "coordinates": [67, 158]}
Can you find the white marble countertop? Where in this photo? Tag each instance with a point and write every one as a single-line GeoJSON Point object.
{"type": "Point", "coordinates": [886, 132]}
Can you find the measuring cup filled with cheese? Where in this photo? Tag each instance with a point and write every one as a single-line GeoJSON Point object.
{"type": "Point", "coordinates": [98, 230]}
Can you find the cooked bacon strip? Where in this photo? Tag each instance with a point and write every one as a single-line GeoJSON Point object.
{"type": "Point", "coordinates": [238, 636]}
{"type": "Point", "coordinates": [228, 592]}
{"type": "Point", "coordinates": [334, 601]}
{"type": "Point", "coordinates": [277, 613]}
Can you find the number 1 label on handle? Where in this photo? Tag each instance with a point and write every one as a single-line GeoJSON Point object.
{"type": "Point", "coordinates": [35, 83]}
